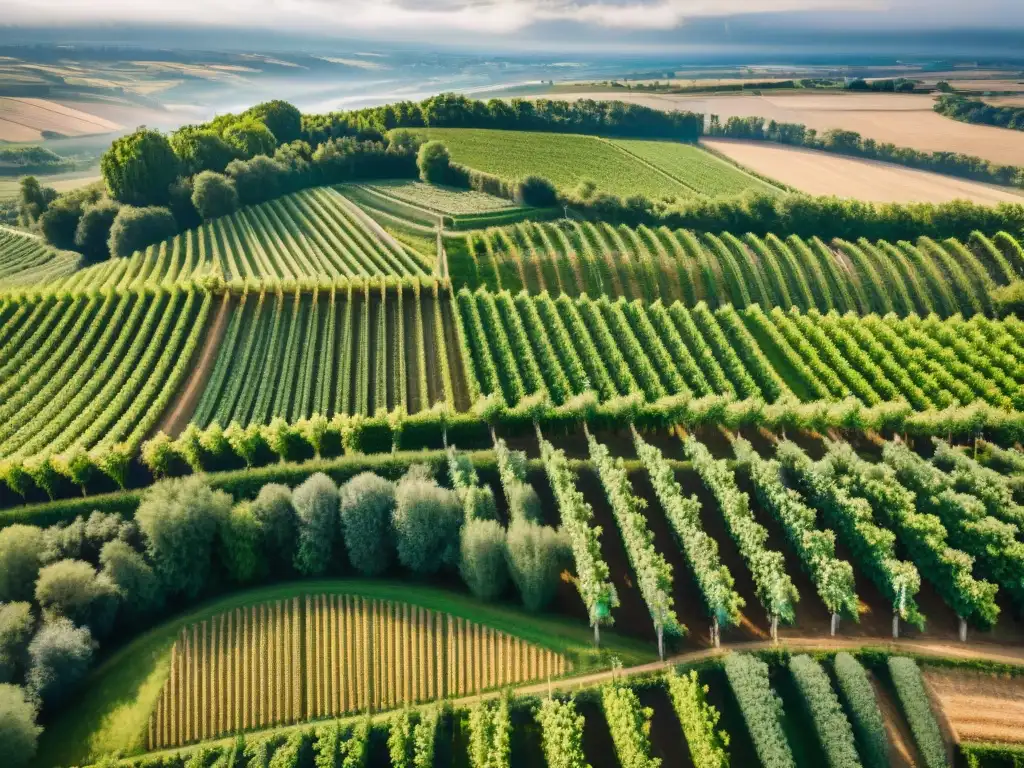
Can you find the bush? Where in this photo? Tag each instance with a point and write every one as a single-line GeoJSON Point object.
{"type": "Point", "coordinates": [18, 729]}
{"type": "Point", "coordinates": [21, 550]}
{"type": "Point", "coordinates": [250, 138]}
{"type": "Point", "coordinates": [257, 180]}
{"type": "Point", "coordinates": [865, 717]}
{"type": "Point", "coordinates": [906, 677]}
{"type": "Point", "coordinates": [92, 235]}
{"type": "Point", "coordinates": [281, 118]}
{"type": "Point", "coordinates": [482, 565]}
{"type": "Point", "coordinates": [536, 555]}
{"type": "Point", "coordinates": [524, 503]}
{"type": "Point", "coordinates": [214, 194]}
{"type": "Point", "coordinates": [367, 504]}
{"type": "Point", "coordinates": [536, 191]}
{"type": "Point", "coordinates": [179, 519]}
{"type": "Point", "coordinates": [427, 520]}
{"type": "Point", "coordinates": [434, 163]}
{"type": "Point", "coordinates": [699, 720]}
{"type": "Point", "coordinates": [33, 200]}
{"type": "Point", "coordinates": [275, 514]}
{"type": "Point", "coordinates": [16, 627]}
{"type": "Point", "coordinates": [834, 732]}
{"type": "Point", "coordinates": [316, 506]}
{"type": "Point", "coordinates": [139, 168]}
{"type": "Point", "coordinates": [60, 655]}
{"type": "Point", "coordinates": [73, 589]}
{"type": "Point", "coordinates": [181, 206]}
{"type": "Point", "coordinates": [59, 223]}
{"type": "Point", "coordinates": [761, 709]}
{"type": "Point", "coordinates": [136, 228]}
{"type": "Point", "coordinates": [200, 149]}
{"type": "Point", "coordinates": [82, 538]}
{"type": "Point", "coordinates": [239, 544]}
{"type": "Point", "coordinates": [479, 502]}
{"type": "Point", "coordinates": [136, 583]}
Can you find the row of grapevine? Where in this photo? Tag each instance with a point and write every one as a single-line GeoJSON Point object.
{"type": "Point", "coordinates": [629, 724]}
{"type": "Point", "coordinates": [325, 656]}
{"type": "Point", "coordinates": [575, 258]}
{"type": "Point", "coordinates": [295, 355]}
{"type": "Point", "coordinates": [25, 259]}
{"type": "Point", "coordinates": [80, 372]}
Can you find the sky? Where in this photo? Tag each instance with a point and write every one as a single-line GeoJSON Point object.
{"type": "Point", "coordinates": [424, 20]}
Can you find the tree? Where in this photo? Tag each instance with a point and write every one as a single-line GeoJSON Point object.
{"type": "Point", "coordinates": [427, 520]}
{"type": "Point", "coordinates": [256, 180]}
{"type": "Point", "coordinates": [536, 191]}
{"type": "Point", "coordinates": [250, 138]}
{"type": "Point", "coordinates": [59, 223]}
{"type": "Point", "coordinates": [18, 730]}
{"type": "Point", "coordinates": [275, 514]}
{"type": "Point", "coordinates": [281, 118]}
{"type": "Point", "coordinates": [404, 140]}
{"type": "Point", "coordinates": [482, 562]}
{"type": "Point", "coordinates": [73, 589]}
{"type": "Point", "coordinates": [136, 228]}
{"type": "Point", "coordinates": [434, 162]}
{"type": "Point", "coordinates": [60, 655]}
{"type": "Point", "coordinates": [93, 232]}
{"type": "Point", "coordinates": [16, 627]}
{"type": "Point", "coordinates": [33, 200]}
{"type": "Point", "coordinates": [179, 519]}
{"type": "Point", "coordinates": [316, 506]}
{"type": "Point", "coordinates": [367, 503]}
{"type": "Point", "coordinates": [136, 583]}
{"type": "Point", "coordinates": [214, 194]}
{"type": "Point", "coordinates": [201, 149]}
{"type": "Point", "coordinates": [139, 168]}
{"type": "Point", "coordinates": [21, 550]}
{"type": "Point", "coordinates": [82, 538]}
{"type": "Point", "coordinates": [239, 544]}
{"type": "Point", "coordinates": [536, 556]}
{"type": "Point", "coordinates": [180, 204]}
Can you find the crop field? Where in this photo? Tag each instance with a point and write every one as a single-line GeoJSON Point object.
{"type": "Point", "coordinates": [93, 369]}
{"type": "Point", "coordinates": [596, 258]}
{"type": "Point", "coordinates": [441, 199]}
{"type": "Point", "coordinates": [823, 173]}
{"type": "Point", "coordinates": [25, 258]}
{"type": "Point", "coordinates": [701, 171]}
{"type": "Point", "coordinates": [326, 656]}
{"type": "Point", "coordinates": [517, 347]}
{"type": "Point", "coordinates": [314, 234]}
{"type": "Point", "coordinates": [980, 707]}
{"type": "Point", "coordinates": [26, 119]}
{"type": "Point", "coordinates": [352, 352]}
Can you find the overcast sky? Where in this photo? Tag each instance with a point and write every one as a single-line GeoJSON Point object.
{"type": "Point", "coordinates": [422, 19]}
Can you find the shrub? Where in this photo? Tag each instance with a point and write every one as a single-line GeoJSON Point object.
{"type": "Point", "coordinates": [239, 543]}
{"type": "Point", "coordinates": [427, 520]}
{"type": "Point", "coordinates": [136, 583]}
{"type": "Point", "coordinates": [482, 564]}
{"type": "Point", "coordinates": [136, 228]}
{"type": "Point", "coordinates": [275, 514]}
{"type": "Point", "coordinates": [179, 519]}
{"type": "Point", "coordinates": [316, 506]}
{"type": "Point", "coordinates": [201, 149]}
{"type": "Point", "coordinates": [834, 732]}
{"type": "Point", "coordinates": [92, 235]}
{"type": "Point", "coordinates": [18, 729]}
{"type": "Point", "coordinates": [699, 720]}
{"type": "Point", "coordinates": [181, 206]}
{"type": "Point", "coordinates": [536, 191]}
{"type": "Point", "coordinates": [16, 627]}
{"type": "Point", "coordinates": [257, 179]}
{"type": "Point", "coordinates": [281, 118]}
{"type": "Point", "coordinates": [59, 223]}
{"type": "Point", "coordinates": [60, 655]}
{"type": "Point", "coordinates": [366, 506]}
{"type": "Point", "coordinates": [906, 676]}
{"type": "Point", "coordinates": [865, 717]}
{"type": "Point", "coordinates": [139, 168]}
{"type": "Point", "coordinates": [21, 550]}
{"type": "Point", "coordinates": [250, 138]}
{"type": "Point", "coordinates": [82, 538]}
{"type": "Point", "coordinates": [524, 503]}
{"type": "Point", "coordinates": [434, 162]}
{"type": "Point", "coordinates": [400, 739]}
{"type": "Point", "coordinates": [761, 709]}
{"type": "Point", "coordinates": [214, 194]}
{"type": "Point", "coordinates": [73, 589]}
{"type": "Point", "coordinates": [536, 555]}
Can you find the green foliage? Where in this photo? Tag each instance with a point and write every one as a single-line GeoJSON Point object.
{"type": "Point", "coordinates": [562, 734]}
{"type": "Point", "coordinates": [424, 736]}
{"type": "Point", "coordinates": [239, 544]}
{"type": "Point", "coordinates": [434, 162]}
{"type": "Point", "coordinates": [761, 709]}
{"type": "Point", "coordinates": [274, 512]}
{"type": "Point", "coordinates": [200, 150]}
{"type": "Point", "coordinates": [213, 195]}
{"type": "Point", "coordinates": [16, 627]}
{"type": "Point", "coordinates": [833, 729]}
{"type": "Point", "coordinates": [59, 657]}
{"type": "Point", "coordinates": [59, 222]}
{"type": "Point", "coordinates": [139, 588]}
{"type": "Point", "coordinates": [18, 730]}
{"type": "Point", "coordinates": [536, 191]}
{"type": "Point", "coordinates": [280, 117]}
{"type": "Point", "coordinates": [138, 168]}
{"type": "Point", "coordinates": [490, 731]}
{"type": "Point", "coordinates": [427, 521]}
{"type": "Point", "coordinates": [93, 232]}
{"type": "Point", "coordinates": [699, 719]}
{"type": "Point", "coordinates": [629, 725]}
{"type": "Point", "coordinates": [482, 561]}
{"type": "Point", "coordinates": [906, 677]}
{"type": "Point", "coordinates": [135, 228]}
{"type": "Point", "coordinates": [250, 138]}
{"type": "Point", "coordinates": [536, 556]}
{"type": "Point", "coordinates": [367, 504]}
{"type": "Point", "coordinates": [73, 589]}
{"type": "Point", "coordinates": [859, 699]}
{"type": "Point", "coordinates": [316, 508]}
{"type": "Point", "coordinates": [21, 550]}
{"type": "Point", "coordinates": [400, 741]}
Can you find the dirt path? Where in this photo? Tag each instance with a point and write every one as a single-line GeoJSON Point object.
{"type": "Point", "coordinates": [902, 749]}
{"type": "Point", "coordinates": [175, 421]}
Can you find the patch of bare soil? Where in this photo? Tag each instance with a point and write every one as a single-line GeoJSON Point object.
{"type": "Point", "coordinates": [902, 749]}
{"type": "Point", "coordinates": [979, 706]}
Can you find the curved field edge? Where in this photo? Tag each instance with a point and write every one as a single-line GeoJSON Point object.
{"type": "Point", "coordinates": [996, 660]}
{"type": "Point", "coordinates": [112, 712]}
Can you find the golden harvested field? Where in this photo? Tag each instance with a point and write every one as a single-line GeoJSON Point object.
{"type": "Point", "coordinates": [24, 119]}
{"type": "Point", "coordinates": [979, 706]}
{"type": "Point", "coordinates": [823, 173]}
{"type": "Point", "coordinates": [906, 120]}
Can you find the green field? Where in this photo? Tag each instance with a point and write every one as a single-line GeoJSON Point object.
{"type": "Point", "coordinates": [454, 202]}
{"type": "Point", "coordinates": [565, 159]}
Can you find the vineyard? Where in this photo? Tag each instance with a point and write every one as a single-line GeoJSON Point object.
{"type": "Point", "coordinates": [326, 656]}
{"type": "Point", "coordinates": [443, 200]}
{"type": "Point", "coordinates": [558, 349]}
{"type": "Point", "coordinates": [353, 352]}
{"type": "Point", "coordinates": [595, 258]}
{"type": "Point", "coordinates": [25, 258]}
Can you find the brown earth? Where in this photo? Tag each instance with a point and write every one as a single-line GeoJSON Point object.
{"type": "Point", "coordinates": [902, 748]}
{"type": "Point", "coordinates": [979, 706]}
{"type": "Point", "coordinates": [24, 119]}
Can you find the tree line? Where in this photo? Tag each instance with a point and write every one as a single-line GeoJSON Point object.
{"type": "Point", "coordinates": [852, 143]}
{"type": "Point", "coordinates": [978, 112]}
